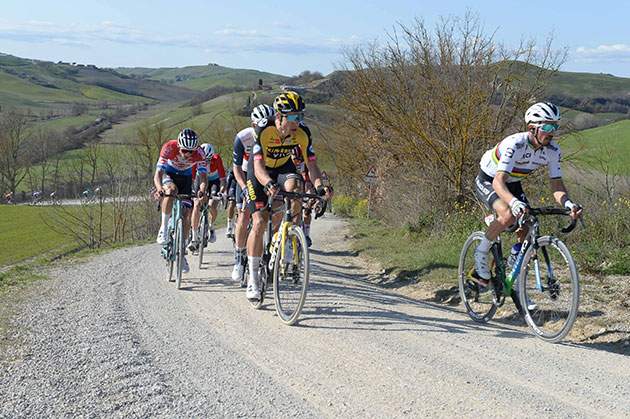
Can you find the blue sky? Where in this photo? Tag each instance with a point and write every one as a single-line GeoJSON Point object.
{"type": "Point", "coordinates": [289, 37]}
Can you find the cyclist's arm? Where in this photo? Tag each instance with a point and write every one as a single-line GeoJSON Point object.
{"type": "Point", "coordinates": [222, 186]}
{"type": "Point", "coordinates": [499, 184]}
{"type": "Point", "coordinates": [260, 172]}
{"type": "Point", "coordinates": [316, 178]}
{"type": "Point", "coordinates": [560, 194]}
{"type": "Point", "coordinates": [203, 182]}
{"type": "Point", "coordinates": [239, 175]}
{"type": "Point", "coordinates": [157, 180]}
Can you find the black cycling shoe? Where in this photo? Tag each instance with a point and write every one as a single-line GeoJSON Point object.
{"type": "Point", "coordinates": [308, 241]}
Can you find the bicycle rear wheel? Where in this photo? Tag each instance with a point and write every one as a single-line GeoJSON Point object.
{"type": "Point", "coordinates": [556, 300]}
{"type": "Point", "coordinates": [203, 236]}
{"type": "Point", "coordinates": [179, 251]}
{"type": "Point", "coordinates": [475, 294]}
{"type": "Point", "coordinates": [290, 276]}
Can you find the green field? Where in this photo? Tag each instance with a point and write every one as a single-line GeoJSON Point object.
{"type": "Point", "coordinates": [26, 234]}
{"type": "Point", "coordinates": [609, 144]}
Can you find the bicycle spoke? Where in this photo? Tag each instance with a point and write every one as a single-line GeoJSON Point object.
{"type": "Point", "coordinates": [476, 296]}
{"type": "Point", "coordinates": [291, 276]}
{"type": "Point", "coordinates": [554, 294]}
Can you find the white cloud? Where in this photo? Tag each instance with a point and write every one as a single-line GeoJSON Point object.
{"type": "Point", "coordinates": [603, 53]}
{"type": "Point", "coordinates": [236, 32]}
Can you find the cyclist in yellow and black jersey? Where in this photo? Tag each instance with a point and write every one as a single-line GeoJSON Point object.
{"type": "Point", "coordinates": [277, 151]}
{"type": "Point", "coordinates": [272, 168]}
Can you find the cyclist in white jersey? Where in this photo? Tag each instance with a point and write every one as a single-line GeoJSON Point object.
{"type": "Point", "coordinates": [243, 144]}
{"type": "Point", "coordinates": [504, 166]}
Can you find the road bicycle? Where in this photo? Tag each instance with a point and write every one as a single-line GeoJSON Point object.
{"type": "Point", "coordinates": [285, 261]}
{"type": "Point", "coordinates": [204, 226]}
{"type": "Point", "coordinates": [547, 296]}
{"type": "Point", "coordinates": [174, 250]}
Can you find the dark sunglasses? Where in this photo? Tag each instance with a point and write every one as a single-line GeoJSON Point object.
{"type": "Point", "coordinates": [295, 117]}
{"type": "Point", "coordinates": [187, 151]}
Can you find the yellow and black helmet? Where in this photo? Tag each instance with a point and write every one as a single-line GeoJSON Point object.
{"type": "Point", "coordinates": [287, 102]}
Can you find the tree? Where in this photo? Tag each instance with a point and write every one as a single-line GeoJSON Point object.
{"type": "Point", "coordinates": [14, 160]}
{"type": "Point", "coordinates": [426, 105]}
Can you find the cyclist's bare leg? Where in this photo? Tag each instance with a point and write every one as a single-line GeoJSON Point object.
{"type": "Point", "coordinates": [230, 209]}
{"type": "Point", "coordinates": [255, 239]}
{"type": "Point", "coordinates": [504, 220]}
{"type": "Point", "coordinates": [212, 212]}
{"type": "Point", "coordinates": [196, 214]}
{"type": "Point", "coordinates": [167, 202]}
{"type": "Point", "coordinates": [241, 228]}
{"type": "Point", "coordinates": [295, 185]}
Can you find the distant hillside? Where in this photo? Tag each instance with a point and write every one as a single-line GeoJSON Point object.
{"type": "Point", "coordinates": [45, 85]}
{"type": "Point", "coordinates": [203, 77]}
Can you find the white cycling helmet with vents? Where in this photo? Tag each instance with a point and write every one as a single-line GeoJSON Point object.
{"type": "Point", "coordinates": [261, 112]}
{"type": "Point", "coordinates": [542, 112]}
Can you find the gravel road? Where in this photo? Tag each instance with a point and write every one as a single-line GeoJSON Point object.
{"type": "Point", "coordinates": [110, 337]}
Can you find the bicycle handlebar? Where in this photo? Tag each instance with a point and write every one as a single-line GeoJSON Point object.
{"type": "Point", "coordinates": [179, 197]}
{"type": "Point", "coordinates": [288, 194]}
{"type": "Point", "coordinates": [552, 211]}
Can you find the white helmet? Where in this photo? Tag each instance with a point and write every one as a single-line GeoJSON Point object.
{"type": "Point", "coordinates": [541, 112]}
{"type": "Point", "coordinates": [261, 112]}
{"type": "Point", "coordinates": [208, 149]}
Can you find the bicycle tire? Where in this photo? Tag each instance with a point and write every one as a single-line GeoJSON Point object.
{"type": "Point", "coordinates": [476, 298]}
{"type": "Point", "coordinates": [558, 301]}
{"type": "Point", "coordinates": [290, 281]}
{"type": "Point", "coordinates": [170, 260]}
{"type": "Point", "coordinates": [179, 250]}
{"type": "Point", "coordinates": [203, 239]}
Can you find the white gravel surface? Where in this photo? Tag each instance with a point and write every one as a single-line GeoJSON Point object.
{"type": "Point", "coordinates": [110, 337]}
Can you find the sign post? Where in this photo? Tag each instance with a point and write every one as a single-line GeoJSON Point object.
{"type": "Point", "coordinates": [370, 177]}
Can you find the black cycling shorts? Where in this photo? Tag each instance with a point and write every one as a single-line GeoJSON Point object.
{"type": "Point", "coordinates": [487, 194]}
{"type": "Point", "coordinates": [256, 191]}
{"type": "Point", "coordinates": [183, 183]}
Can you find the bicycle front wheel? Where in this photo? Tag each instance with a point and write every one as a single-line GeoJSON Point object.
{"type": "Point", "coordinates": [476, 293]}
{"type": "Point", "coordinates": [549, 278]}
{"type": "Point", "coordinates": [179, 251]}
{"type": "Point", "coordinates": [290, 276]}
{"type": "Point", "coordinates": [203, 236]}
{"type": "Point", "coordinates": [170, 260]}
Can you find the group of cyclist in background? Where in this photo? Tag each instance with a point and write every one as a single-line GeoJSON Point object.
{"type": "Point", "coordinates": [272, 154]}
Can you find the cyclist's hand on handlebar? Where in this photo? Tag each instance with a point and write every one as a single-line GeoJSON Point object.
{"type": "Point", "coordinates": [517, 206]}
{"type": "Point", "coordinates": [576, 210]}
{"type": "Point", "coordinates": [325, 191]}
{"type": "Point", "coordinates": [272, 188]}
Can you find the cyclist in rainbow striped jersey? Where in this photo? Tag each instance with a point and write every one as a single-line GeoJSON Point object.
{"type": "Point", "coordinates": [498, 184]}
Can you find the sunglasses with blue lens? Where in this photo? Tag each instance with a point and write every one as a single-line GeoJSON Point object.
{"type": "Point", "coordinates": [295, 117]}
{"type": "Point", "coordinates": [548, 127]}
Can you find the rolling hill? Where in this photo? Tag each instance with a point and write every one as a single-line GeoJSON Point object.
{"type": "Point", "coordinates": [44, 85]}
{"type": "Point", "coordinates": [202, 77]}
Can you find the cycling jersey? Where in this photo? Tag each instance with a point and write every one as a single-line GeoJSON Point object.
{"type": "Point", "coordinates": [172, 161]}
{"type": "Point", "coordinates": [516, 156]}
{"type": "Point", "coordinates": [243, 143]}
{"type": "Point", "coordinates": [216, 170]}
{"type": "Point", "coordinates": [276, 151]}
{"type": "Point", "coordinates": [300, 165]}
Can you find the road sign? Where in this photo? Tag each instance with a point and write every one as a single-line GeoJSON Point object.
{"type": "Point", "coordinates": [371, 176]}
{"type": "Point", "coordinates": [324, 176]}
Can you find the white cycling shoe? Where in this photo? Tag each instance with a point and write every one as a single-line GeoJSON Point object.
{"type": "Point", "coordinates": [253, 291]}
{"type": "Point", "coordinates": [531, 306]}
{"type": "Point", "coordinates": [237, 272]}
{"type": "Point", "coordinates": [481, 264]}
{"type": "Point", "coordinates": [185, 268]}
{"type": "Point", "coordinates": [161, 238]}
